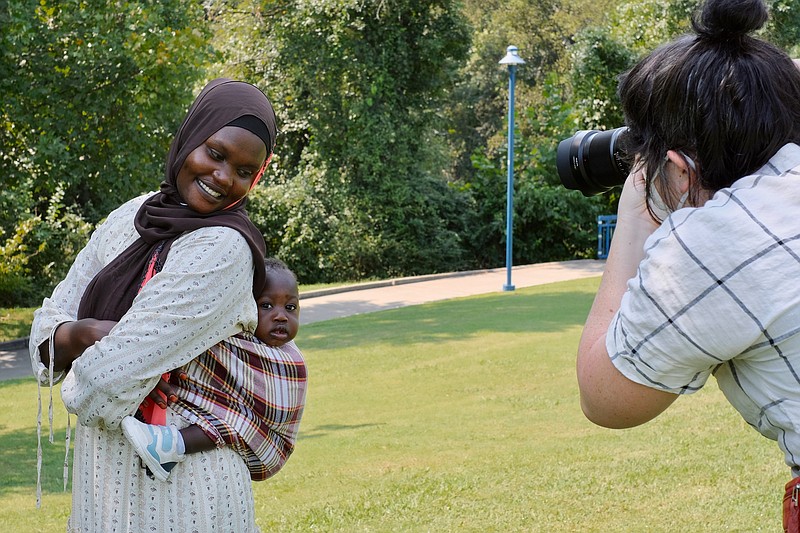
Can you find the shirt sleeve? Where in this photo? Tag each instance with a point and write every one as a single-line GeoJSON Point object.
{"type": "Point", "coordinates": [202, 295]}
{"type": "Point", "coordinates": [109, 239]}
{"type": "Point", "coordinates": [688, 310]}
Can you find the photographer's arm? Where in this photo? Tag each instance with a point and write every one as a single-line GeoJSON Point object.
{"type": "Point", "coordinates": [608, 398]}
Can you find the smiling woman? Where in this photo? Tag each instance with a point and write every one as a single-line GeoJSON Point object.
{"type": "Point", "coordinates": [167, 276]}
{"type": "Point", "coordinates": [222, 170]}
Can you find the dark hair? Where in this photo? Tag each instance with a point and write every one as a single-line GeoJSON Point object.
{"type": "Point", "coordinates": [273, 264]}
{"type": "Point", "coordinates": [725, 98]}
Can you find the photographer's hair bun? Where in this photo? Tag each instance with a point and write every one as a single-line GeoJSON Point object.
{"type": "Point", "coordinates": [724, 19]}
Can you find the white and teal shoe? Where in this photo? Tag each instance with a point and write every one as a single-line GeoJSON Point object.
{"type": "Point", "coordinates": [160, 447]}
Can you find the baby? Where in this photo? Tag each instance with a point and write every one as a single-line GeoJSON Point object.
{"type": "Point", "coordinates": [257, 399]}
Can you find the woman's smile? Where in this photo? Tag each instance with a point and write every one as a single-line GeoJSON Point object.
{"type": "Point", "coordinates": [208, 190]}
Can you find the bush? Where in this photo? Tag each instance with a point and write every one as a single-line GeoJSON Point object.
{"type": "Point", "coordinates": [37, 257]}
{"type": "Point", "coordinates": [16, 290]}
{"type": "Point", "coordinates": [327, 235]}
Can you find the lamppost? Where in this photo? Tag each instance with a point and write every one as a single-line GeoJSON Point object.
{"type": "Point", "coordinates": [511, 59]}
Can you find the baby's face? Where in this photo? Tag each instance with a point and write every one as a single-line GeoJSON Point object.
{"type": "Point", "coordinates": [278, 309]}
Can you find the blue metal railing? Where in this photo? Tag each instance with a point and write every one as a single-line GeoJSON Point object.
{"type": "Point", "coordinates": [605, 230]}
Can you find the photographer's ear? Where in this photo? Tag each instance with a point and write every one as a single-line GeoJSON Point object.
{"type": "Point", "coordinates": [685, 180]}
{"type": "Point", "coordinates": [681, 172]}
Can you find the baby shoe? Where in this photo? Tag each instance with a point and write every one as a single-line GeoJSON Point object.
{"type": "Point", "coordinates": [160, 447]}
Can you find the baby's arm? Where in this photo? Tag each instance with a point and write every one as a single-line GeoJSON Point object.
{"type": "Point", "coordinates": [195, 440]}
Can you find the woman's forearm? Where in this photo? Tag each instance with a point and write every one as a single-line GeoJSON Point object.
{"type": "Point", "coordinates": [71, 339]}
{"type": "Point", "coordinates": [634, 226]}
{"type": "Point", "coordinates": [181, 312]}
{"type": "Point", "coordinates": [607, 397]}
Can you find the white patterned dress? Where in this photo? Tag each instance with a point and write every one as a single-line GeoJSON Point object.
{"type": "Point", "coordinates": [202, 295]}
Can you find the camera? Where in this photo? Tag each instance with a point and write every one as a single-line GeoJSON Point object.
{"type": "Point", "coordinates": [593, 161]}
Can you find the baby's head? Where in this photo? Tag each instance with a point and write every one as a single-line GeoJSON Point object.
{"type": "Point", "coordinates": [278, 305]}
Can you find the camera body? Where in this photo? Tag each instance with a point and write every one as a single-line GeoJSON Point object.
{"type": "Point", "coordinates": [593, 161]}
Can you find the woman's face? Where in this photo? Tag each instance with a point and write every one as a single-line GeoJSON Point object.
{"type": "Point", "coordinates": [220, 172]}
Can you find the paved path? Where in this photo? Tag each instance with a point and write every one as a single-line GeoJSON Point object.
{"type": "Point", "coordinates": [369, 297]}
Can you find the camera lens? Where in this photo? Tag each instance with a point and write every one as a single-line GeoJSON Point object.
{"type": "Point", "coordinates": [593, 161]}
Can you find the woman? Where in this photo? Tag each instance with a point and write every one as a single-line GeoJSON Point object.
{"type": "Point", "coordinates": [210, 261]}
{"type": "Point", "coordinates": [714, 124]}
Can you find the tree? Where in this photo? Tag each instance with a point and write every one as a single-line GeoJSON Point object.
{"type": "Point", "coordinates": [358, 86]}
{"type": "Point", "coordinates": [542, 30]}
{"type": "Point", "coordinates": [783, 27]}
{"type": "Point", "coordinates": [90, 95]}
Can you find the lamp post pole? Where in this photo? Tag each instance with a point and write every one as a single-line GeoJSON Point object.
{"type": "Point", "coordinates": [511, 59]}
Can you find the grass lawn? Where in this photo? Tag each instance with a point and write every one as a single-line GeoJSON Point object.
{"type": "Point", "coordinates": [15, 323]}
{"type": "Point", "coordinates": [463, 416]}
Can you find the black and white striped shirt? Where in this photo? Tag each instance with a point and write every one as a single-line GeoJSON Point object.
{"type": "Point", "coordinates": [719, 292]}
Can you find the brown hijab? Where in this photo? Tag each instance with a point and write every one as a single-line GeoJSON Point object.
{"type": "Point", "coordinates": [164, 217]}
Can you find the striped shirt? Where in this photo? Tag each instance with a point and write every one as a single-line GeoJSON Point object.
{"type": "Point", "coordinates": [718, 292]}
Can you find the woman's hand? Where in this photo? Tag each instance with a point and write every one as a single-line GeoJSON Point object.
{"type": "Point", "coordinates": [72, 338]}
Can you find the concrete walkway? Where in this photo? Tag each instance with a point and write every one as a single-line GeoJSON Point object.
{"type": "Point", "coordinates": [338, 302]}
{"type": "Point", "coordinates": [369, 297]}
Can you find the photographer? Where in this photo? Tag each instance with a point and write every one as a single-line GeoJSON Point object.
{"type": "Point", "coordinates": [703, 274]}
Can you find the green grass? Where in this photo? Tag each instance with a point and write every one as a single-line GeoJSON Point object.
{"type": "Point", "coordinates": [463, 416]}
{"type": "Point", "coordinates": [15, 323]}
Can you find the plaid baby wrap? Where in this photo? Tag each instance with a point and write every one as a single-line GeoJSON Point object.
{"type": "Point", "coordinates": [247, 395]}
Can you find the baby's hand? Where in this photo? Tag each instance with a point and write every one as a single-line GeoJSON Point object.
{"type": "Point", "coordinates": [164, 391]}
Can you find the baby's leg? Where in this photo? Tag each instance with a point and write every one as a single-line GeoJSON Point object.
{"type": "Point", "coordinates": [195, 440]}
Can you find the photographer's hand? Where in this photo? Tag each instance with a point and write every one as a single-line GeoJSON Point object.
{"type": "Point", "coordinates": [634, 225]}
{"type": "Point", "coordinates": [607, 397]}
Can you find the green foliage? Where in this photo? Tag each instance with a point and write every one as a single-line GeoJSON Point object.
{"type": "Point", "coordinates": [357, 86]}
{"type": "Point", "coordinates": [295, 217]}
{"type": "Point", "coordinates": [598, 60]}
{"type": "Point", "coordinates": [550, 223]}
{"type": "Point", "coordinates": [642, 25]}
{"type": "Point", "coordinates": [541, 29]}
{"type": "Point", "coordinates": [783, 27]}
{"type": "Point", "coordinates": [41, 249]}
{"type": "Point", "coordinates": [104, 89]}
{"type": "Point", "coordinates": [391, 154]}
{"type": "Point", "coordinates": [90, 95]}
